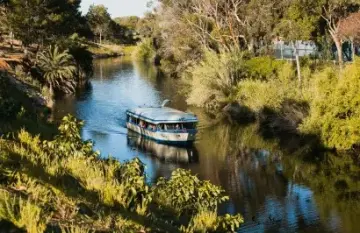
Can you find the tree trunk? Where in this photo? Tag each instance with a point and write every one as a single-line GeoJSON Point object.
{"type": "Point", "coordinates": [251, 45]}
{"type": "Point", "coordinates": [50, 98]}
{"type": "Point", "coordinates": [338, 44]}
{"type": "Point", "coordinates": [297, 58]}
{"type": "Point", "coordinates": [100, 37]}
{"type": "Point", "coordinates": [11, 40]}
{"type": "Point", "coordinates": [352, 49]}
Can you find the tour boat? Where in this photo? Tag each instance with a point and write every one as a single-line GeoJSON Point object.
{"type": "Point", "coordinates": [163, 124]}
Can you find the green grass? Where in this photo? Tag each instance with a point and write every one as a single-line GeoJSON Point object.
{"type": "Point", "coordinates": [109, 49]}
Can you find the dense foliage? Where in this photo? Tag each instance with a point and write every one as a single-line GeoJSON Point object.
{"type": "Point", "coordinates": [335, 105]}
{"type": "Point", "coordinates": [225, 52]}
{"type": "Point", "coordinates": [50, 184]}
{"type": "Point", "coordinates": [8, 107]}
{"type": "Point", "coordinates": [37, 21]}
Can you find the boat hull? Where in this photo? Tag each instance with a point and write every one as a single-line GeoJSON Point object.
{"type": "Point", "coordinates": [162, 136]}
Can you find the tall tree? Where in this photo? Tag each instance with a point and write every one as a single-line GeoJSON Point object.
{"type": "Point", "coordinates": [332, 12]}
{"type": "Point", "coordinates": [27, 19]}
{"type": "Point", "coordinates": [99, 20]}
{"type": "Point", "coordinates": [38, 21]}
{"type": "Point", "coordinates": [349, 29]}
{"type": "Point", "coordinates": [298, 24]}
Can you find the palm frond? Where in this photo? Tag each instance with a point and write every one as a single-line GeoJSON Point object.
{"type": "Point", "coordinates": [58, 68]}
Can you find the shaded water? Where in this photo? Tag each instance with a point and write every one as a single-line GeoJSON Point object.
{"type": "Point", "coordinates": [275, 191]}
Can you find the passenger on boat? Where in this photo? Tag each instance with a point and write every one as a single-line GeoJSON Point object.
{"type": "Point", "coordinates": [151, 127]}
{"type": "Point", "coordinates": [177, 127]}
{"type": "Point", "coordinates": [142, 124]}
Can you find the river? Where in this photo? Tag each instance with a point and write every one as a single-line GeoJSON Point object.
{"type": "Point", "coordinates": [274, 189]}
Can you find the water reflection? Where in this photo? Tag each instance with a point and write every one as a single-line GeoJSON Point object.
{"type": "Point", "coordinates": [163, 152]}
{"type": "Point", "coordinates": [276, 190]}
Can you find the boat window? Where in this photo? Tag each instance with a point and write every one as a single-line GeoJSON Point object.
{"type": "Point", "coordinates": [160, 127]}
{"type": "Point", "coordinates": [131, 119]}
{"type": "Point", "coordinates": [189, 126]}
{"type": "Point", "coordinates": [170, 127]}
{"type": "Point", "coordinates": [151, 127]}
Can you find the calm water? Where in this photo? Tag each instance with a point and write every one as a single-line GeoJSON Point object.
{"type": "Point", "coordinates": [273, 189]}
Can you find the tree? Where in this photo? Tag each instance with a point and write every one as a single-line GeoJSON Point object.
{"type": "Point", "coordinates": [39, 21]}
{"type": "Point", "coordinates": [27, 20]}
{"type": "Point", "coordinates": [298, 24]}
{"type": "Point", "coordinates": [129, 22]}
{"type": "Point", "coordinates": [58, 69]}
{"type": "Point", "coordinates": [332, 12]}
{"type": "Point", "coordinates": [99, 19]}
{"type": "Point", "coordinates": [349, 28]}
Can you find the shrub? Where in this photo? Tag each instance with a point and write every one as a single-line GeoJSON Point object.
{"type": "Point", "coordinates": [265, 68]}
{"type": "Point", "coordinates": [212, 81]}
{"type": "Point", "coordinates": [334, 109]}
{"type": "Point", "coordinates": [145, 51]}
{"type": "Point", "coordinates": [186, 194]}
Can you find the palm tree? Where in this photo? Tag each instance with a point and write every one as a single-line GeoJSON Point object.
{"type": "Point", "coordinates": [58, 69]}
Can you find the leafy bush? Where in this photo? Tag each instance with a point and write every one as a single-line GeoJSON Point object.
{"type": "Point", "coordinates": [186, 194]}
{"type": "Point", "coordinates": [145, 51]}
{"type": "Point", "coordinates": [265, 68]}
{"type": "Point", "coordinates": [334, 109]}
{"type": "Point", "coordinates": [212, 81]}
{"type": "Point", "coordinates": [258, 94]}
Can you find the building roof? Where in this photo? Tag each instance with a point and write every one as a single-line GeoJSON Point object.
{"type": "Point", "coordinates": [162, 115]}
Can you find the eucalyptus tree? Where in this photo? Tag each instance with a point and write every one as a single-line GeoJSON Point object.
{"type": "Point", "coordinates": [333, 11]}
{"type": "Point", "coordinates": [298, 24]}
{"type": "Point", "coordinates": [349, 29]}
{"type": "Point", "coordinates": [99, 20]}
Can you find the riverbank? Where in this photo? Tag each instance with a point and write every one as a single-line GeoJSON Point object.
{"type": "Point", "coordinates": [62, 184]}
{"type": "Point", "coordinates": [109, 50]}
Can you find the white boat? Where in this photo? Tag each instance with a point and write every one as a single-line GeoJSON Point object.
{"type": "Point", "coordinates": [163, 124]}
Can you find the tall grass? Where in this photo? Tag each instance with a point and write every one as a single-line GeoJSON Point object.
{"type": "Point", "coordinates": [22, 213]}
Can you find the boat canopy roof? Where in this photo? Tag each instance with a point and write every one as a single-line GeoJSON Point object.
{"type": "Point", "coordinates": [162, 115]}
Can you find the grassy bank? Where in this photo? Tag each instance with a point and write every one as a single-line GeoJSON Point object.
{"type": "Point", "coordinates": [63, 185]}
{"type": "Point", "coordinates": [109, 50]}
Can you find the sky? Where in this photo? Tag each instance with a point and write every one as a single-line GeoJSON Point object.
{"type": "Point", "coordinates": [118, 7]}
